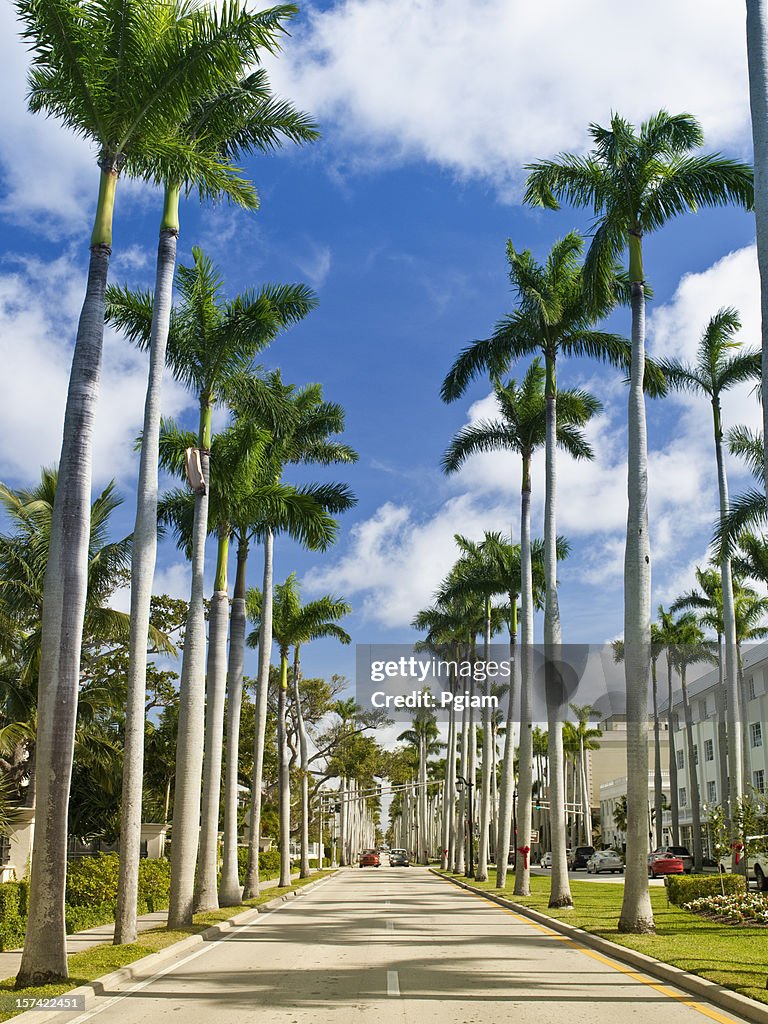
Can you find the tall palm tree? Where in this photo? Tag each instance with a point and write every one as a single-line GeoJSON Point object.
{"type": "Point", "coordinates": [295, 624]}
{"type": "Point", "coordinates": [634, 181]}
{"type": "Point", "coordinates": [690, 648]}
{"type": "Point", "coordinates": [309, 437]}
{"type": "Point", "coordinates": [556, 317]}
{"type": "Point", "coordinates": [522, 428]}
{"type": "Point", "coordinates": [423, 737]}
{"type": "Point", "coordinates": [757, 60]}
{"type": "Point", "coordinates": [124, 74]}
{"type": "Point", "coordinates": [586, 740]}
{"type": "Point", "coordinates": [211, 344]}
{"type": "Point", "coordinates": [239, 117]}
{"type": "Point", "coordinates": [720, 366]}
{"type": "Point", "coordinates": [668, 638]}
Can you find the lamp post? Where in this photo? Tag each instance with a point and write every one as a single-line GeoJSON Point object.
{"type": "Point", "coordinates": [460, 783]}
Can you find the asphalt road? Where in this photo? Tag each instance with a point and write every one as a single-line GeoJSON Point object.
{"type": "Point", "coordinates": [396, 945]}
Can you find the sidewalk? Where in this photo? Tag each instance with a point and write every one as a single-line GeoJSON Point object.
{"type": "Point", "coordinates": [103, 934]}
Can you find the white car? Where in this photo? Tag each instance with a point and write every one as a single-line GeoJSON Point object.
{"type": "Point", "coordinates": [546, 860]}
{"type": "Point", "coordinates": [604, 860]}
{"type": "Point", "coordinates": [758, 868]}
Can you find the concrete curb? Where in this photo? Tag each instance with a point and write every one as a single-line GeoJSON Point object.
{"type": "Point", "coordinates": [148, 965]}
{"type": "Point", "coordinates": [722, 997]}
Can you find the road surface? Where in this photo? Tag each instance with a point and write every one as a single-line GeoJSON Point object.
{"type": "Point", "coordinates": [396, 946]}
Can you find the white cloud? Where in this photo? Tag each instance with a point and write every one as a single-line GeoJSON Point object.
{"type": "Point", "coordinates": [39, 305]}
{"type": "Point", "coordinates": [484, 87]}
{"type": "Point", "coordinates": [315, 264]}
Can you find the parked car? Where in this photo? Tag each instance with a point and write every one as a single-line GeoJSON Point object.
{"type": "Point", "coordinates": [546, 860]}
{"type": "Point", "coordinates": [664, 864]}
{"type": "Point", "coordinates": [399, 859]}
{"type": "Point", "coordinates": [370, 859]}
{"type": "Point", "coordinates": [579, 857]}
{"type": "Point", "coordinates": [758, 868]}
{"type": "Point", "coordinates": [605, 860]}
{"type": "Point", "coordinates": [679, 851]}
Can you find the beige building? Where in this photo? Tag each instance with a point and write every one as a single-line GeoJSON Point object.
{"type": "Point", "coordinates": [609, 763]}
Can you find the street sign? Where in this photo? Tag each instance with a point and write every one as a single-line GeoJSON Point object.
{"type": "Point", "coordinates": [534, 835]}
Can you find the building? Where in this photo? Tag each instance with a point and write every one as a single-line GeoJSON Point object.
{"type": "Point", "coordinates": [612, 795]}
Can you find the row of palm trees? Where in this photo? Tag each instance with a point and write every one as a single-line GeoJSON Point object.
{"type": "Point", "coordinates": [174, 94]}
{"type": "Point", "coordinates": [633, 180]}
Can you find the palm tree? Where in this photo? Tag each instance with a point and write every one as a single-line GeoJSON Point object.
{"type": "Point", "coordinates": [308, 436]}
{"type": "Point", "coordinates": [423, 738]}
{"type": "Point", "coordinates": [522, 428]}
{"type": "Point", "coordinates": [719, 366]}
{"type": "Point", "coordinates": [667, 638]}
{"type": "Point", "coordinates": [211, 345]}
{"type": "Point", "coordinates": [690, 648]}
{"type": "Point", "coordinates": [586, 739]}
{"type": "Point", "coordinates": [123, 74]}
{"type": "Point", "coordinates": [757, 31]}
{"type": "Point", "coordinates": [635, 181]}
{"type": "Point", "coordinates": [240, 116]}
{"type": "Point", "coordinates": [294, 624]}
{"type": "Point", "coordinates": [556, 317]}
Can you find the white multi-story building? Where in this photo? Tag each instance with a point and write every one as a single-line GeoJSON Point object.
{"type": "Point", "coordinates": [612, 795]}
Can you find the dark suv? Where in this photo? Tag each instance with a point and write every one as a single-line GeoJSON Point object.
{"type": "Point", "coordinates": [580, 857]}
{"type": "Point", "coordinates": [678, 851]}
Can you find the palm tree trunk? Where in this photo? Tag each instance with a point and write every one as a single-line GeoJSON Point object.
{"type": "Point", "coordinates": [504, 837]}
{"type": "Point", "coordinates": [673, 790]}
{"type": "Point", "coordinates": [206, 883]}
{"type": "Point", "coordinates": [449, 799]}
{"type": "Point", "coordinates": [422, 801]}
{"type": "Point", "coordinates": [722, 729]}
{"type": "Point", "coordinates": [343, 824]}
{"type": "Point", "coordinates": [560, 892]}
{"type": "Point", "coordinates": [304, 870]}
{"type": "Point", "coordinates": [472, 775]}
{"type": "Point", "coordinates": [461, 824]}
{"type": "Point", "coordinates": [64, 596]}
{"type": "Point", "coordinates": [735, 757]}
{"type": "Point", "coordinates": [185, 833]}
{"type": "Point", "coordinates": [230, 889]}
{"type": "Point", "coordinates": [284, 784]}
{"type": "Point", "coordinates": [586, 805]}
{"type": "Point", "coordinates": [693, 776]}
{"type": "Point", "coordinates": [636, 912]}
{"type": "Point", "coordinates": [757, 59]}
{"type": "Point", "coordinates": [251, 887]}
{"type": "Point", "coordinates": [143, 556]}
{"type": "Point", "coordinates": [525, 753]}
{"type": "Point", "coordinates": [658, 788]}
{"type": "Point", "coordinates": [485, 806]}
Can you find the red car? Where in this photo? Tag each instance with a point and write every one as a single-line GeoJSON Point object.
{"type": "Point", "coordinates": [370, 859]}
{"type": "Point", "coordinates": [664, 864]}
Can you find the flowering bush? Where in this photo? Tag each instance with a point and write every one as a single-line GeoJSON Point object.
{"type": "Point", "coordinates": [740, 908]}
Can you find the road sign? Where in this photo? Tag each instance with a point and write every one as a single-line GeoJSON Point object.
{"type": "Point", "coordinates": [534, 835]}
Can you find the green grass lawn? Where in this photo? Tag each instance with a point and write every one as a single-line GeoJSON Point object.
{"type": "Point", "coordinates": [100, 960]}
{"type": "Point", "coordinates": [733, 956]}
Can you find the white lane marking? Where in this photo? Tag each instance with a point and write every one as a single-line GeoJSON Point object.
{"type": "Point", "coordinates": [393, 984]}
{"type": "Point", "coordinates": [390, 926]}
{"type": "Point", "coordinates": [140, 985]}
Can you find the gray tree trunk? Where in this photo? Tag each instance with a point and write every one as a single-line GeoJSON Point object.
{"type": "Point", "coordinates": [636, 911]}
{"type": "Point", "coordinates": [735, 757]}
{"type": "Point", "coordinates": [284, 779]}
{"type": "Point", "coordinates": [693, 777]}
{"type": "Point", "coordinates": [658, 788]}
{"type": "Point", "coordinates": [230, 889]}
{"type": "Point", "coordinates": [504, 836]}
{"type": "Point", "coordinates": [251, 887]}
{"type": "Point", "coordinates": [461, 819]}
{"type": "Point", "coordinates": [206, 883]}
{"type": "Point", "coordinates": [757, 59]}
{"type": "Point", "coordinates": [185, 833]}
{"type": "Point", "coordinates": [673, 791]}
{"type": "Point", "coordinates": [64, 600]}
{"type": "Point", "coordinates": [722, 730]}
{"type": "Point", "coordinates": [143, 557]}
{"type": "Point", "coordinates": [304, 870]}
{"type": "Point", "coordinates": [481, 874]}
{"type": "Point", "coordinates": [525, 753]}
{"type": "Point", "coordinates": [449, 796]}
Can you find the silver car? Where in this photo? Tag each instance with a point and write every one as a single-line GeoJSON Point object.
{"type": "Point", "coordinates": [605, 860]}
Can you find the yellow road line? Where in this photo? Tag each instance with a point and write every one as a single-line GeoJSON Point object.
{"type": "Point", "coordinates": [685, 1000]}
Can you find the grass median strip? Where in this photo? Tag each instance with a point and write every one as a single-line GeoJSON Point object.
{"type": "Point", "coordinates": [100, 960]}
{"type": "Point", "coordinates": [730, 955]}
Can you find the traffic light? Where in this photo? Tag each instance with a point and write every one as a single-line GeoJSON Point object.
{"type": "Point", "coordinates": [337, 808]}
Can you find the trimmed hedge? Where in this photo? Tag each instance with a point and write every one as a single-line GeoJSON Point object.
{"type": "Point", "coordinates": [13, 914]}
{"type": "Point", "coordinates": [686, 888]}
{"type": "Point", "coordinates": [91, 895]}
{"type": "Point", "coordinates": [269, 863]}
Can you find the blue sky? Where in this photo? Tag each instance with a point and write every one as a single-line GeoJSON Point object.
{"type": "Point", "coordinates": [399, 219]}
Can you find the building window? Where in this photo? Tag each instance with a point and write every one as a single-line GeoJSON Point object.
{"type": "Point", "coordinates": [709, 750]}
{"type": "Point", "coordinates": [695, 753]}
{"type": "Point", "coordinates": [711, 792]}
{"type": "Point", "coordinates": [751, 689]}
{"type": "Point", "coordinates": [702, 710]}
{"type": "Point", "coordinates": [682, 797]}
{"type": "Point", "coordinates": [758, 780]}
{"type": "Point", "coordinates": [756, 734]}
{"type": "Point", "coordinates": [680, 759]}
{"type": "Point", "coordinates": [5, 850]}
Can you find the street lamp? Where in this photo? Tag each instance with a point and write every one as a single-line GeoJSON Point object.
{"type": "Point", "coordinates": [461, 782]}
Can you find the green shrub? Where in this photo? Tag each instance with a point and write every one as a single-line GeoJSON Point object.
{"type": "Point", "coordinates": [686, 888]}
{"type": "Point", "coordinates": [13, 914]}
{"type": "Point", "coordinates": [80, 919]}
{"type": "Point", "coordinates": [154, 885]}
{"type": "Point", "coordinates": [93, 880]}
{"type": "Point", "coordinates": [269, 863]}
